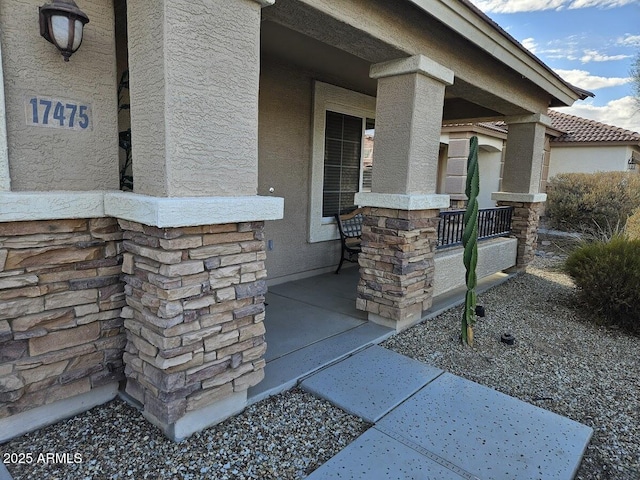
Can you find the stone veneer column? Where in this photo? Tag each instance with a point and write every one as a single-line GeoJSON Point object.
{"type": "Point", "coordinates": [194, 320]}
{"type": "Point", "coordinates": [401, 213]}
{"type": "Point", "coordinates": [524, 223]}
{"type": "Point", "coordinates": [193, 227]}
{"type": "Point", "coordinates": [396, 265]}
{"type": "Point", "coordinates": [521, 179]}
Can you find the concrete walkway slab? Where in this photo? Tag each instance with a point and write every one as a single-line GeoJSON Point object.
{"type": "Point", "coordinates": [439, 425]}
{"type": "Point", "coordinates": [492, 435]}
{"type": "Point", "coordinates": [377, 456]}
{"type": "Point", "coordinates": [284, 373]}
{"type": "Point", "coordinates": [372, 382]}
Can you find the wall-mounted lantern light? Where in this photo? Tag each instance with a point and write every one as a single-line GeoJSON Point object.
{"type": "Point", "coordinates": [61, 23]}
{"type": "Point", "coordinates": [632, 164]}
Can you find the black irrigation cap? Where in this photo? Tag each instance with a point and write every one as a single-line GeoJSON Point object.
{"type": "Point", "coordinates": [508, 339]}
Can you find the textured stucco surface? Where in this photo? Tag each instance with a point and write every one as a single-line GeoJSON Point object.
{"type": "Point", "coordinates": [589, 159]}
{"type": "Point", "coordinates": [194, 72]}
{"type": "Point", "coordinates": [191, 211]}
{"type": "Point", "coordinates": [286, 98]}
{"type": "Point", "coordinates": [523, 158]}
{"type": "Point", "coordinates": [26, 206]}
{"type": "Point", "coordinates": [376, 30]}
{"type": "Point", "coordinates": [5, 179]}
{"type": "Point", "coordinates": [408, 125]}
{"type": "Point", "coordinates": [489, 164]}
{"type": "Point", "coordinates": [493, 256]}
{"type": "Point", "coordinates": [53, 159]}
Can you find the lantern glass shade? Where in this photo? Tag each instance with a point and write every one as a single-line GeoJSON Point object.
{"type": "Point", "coordinates": [67, 32]}
{"type": "Point", "coordinates": [62, 23]}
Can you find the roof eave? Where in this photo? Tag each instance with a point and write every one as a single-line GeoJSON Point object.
{"type": "Point", "coordinates": [464, 21]}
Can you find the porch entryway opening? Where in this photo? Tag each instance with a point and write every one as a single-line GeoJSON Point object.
{"type": "Point", "coordinates": [312, 323]}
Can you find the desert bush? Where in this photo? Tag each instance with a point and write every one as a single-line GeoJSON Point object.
{"type": "Point", "coordinates": [632, 228]}
{"type": "Point", "coordinates": [608, 277]}
{"type": "Point", "coordinates": [584, 202]}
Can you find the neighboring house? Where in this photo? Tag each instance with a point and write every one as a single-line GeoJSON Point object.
{"type": "Point", "coordinates": [247, 119]}
{"type": "Point", "coordinates": [587, 146]}
{"type": "Point", "coordinates": [572, 145]}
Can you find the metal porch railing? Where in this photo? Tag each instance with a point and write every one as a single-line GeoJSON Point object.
{"type": "Point", "coordinates": [492, 222]}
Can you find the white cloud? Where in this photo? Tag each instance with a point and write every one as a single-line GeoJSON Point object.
{"type": "Point", "coordinates": [530, 44]}
{"type": "Point", "coordinates": [623, 112]}
{"type": "Point", "coordinates": [595, 56]}
{"type": "Point", "coordinates": [512, 6]}
{"type": "Point", "coordinates": [629, 40]}
{"type": "Point", "coordinates": [583, 79]}
{"type": "Point", "coordinates": [509, 6]}
{"type": "Point", "coordinates": [599, 3]}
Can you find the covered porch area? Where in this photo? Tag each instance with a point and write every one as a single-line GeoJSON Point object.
{"type": "Point", "coordinates": [313, 323]}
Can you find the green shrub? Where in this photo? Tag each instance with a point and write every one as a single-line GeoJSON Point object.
{"type": "Point", "coordinates": [632, 228]}
{"type": "Point", "coordinates": [608, 277]}
{"type": "Point", "coordinates": [584, 202]}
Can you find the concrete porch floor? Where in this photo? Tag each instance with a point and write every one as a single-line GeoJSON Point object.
{"type": "Point", "coordinates": [313, 323]}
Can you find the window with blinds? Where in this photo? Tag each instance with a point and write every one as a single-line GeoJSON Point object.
{"type": "Point", "coordinates": [342, 159]}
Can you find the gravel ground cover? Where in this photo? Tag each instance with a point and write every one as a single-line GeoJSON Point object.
{"type": "Point", "coordinates": [284, 437]}
{"type": "Point", "coordinates": [560, 362]}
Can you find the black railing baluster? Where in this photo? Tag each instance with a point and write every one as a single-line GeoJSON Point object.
{"type": "Point", "coordinates": [492, 222]}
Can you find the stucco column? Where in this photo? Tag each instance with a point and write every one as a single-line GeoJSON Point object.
{"type": "Point", "coordinates": [194, 72]}
{"type": "Point", "coordinates": [5, 179]}
{"type": "Point", "coordinates": [457, 156]}
{"type": "Point", "coordinates": [401, 212]}
{"type": "Point", "coordinates": [522, 173]}
{"type": "Point", "coordinates": [194, 250]}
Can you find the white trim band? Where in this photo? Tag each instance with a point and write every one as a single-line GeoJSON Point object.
{"type": "Point", "coordinates": [30, 206]}
{"type": "Point", "coordinates": [519, 197]}
{"type": "Point", "coordinates": [191, 211]}
{"type": "Point", "coordinates": [154, 211]}
{"type": "Point", "coordinates": [402, 202]}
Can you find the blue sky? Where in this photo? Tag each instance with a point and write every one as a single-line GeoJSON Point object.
{"type": "Point", "coordinates": [589, 43]}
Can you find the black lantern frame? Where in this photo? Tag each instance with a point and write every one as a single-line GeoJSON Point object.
{"type": "Point", "coordinates": [74, 31]}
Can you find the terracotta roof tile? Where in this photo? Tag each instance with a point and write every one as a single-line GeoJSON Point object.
{"type": "Point", "coordinates": [577, 129]}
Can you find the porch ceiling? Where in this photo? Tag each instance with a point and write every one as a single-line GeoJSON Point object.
{"type": "Point", "coordinates": [331, 64]}
{"type": "Point", "coordinates": [342, 53]}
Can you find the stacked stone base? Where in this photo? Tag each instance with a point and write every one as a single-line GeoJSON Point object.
{"type": "Point", "coordinates": [194, 319]}
{"type": "Point", "coordinates": [524, 226]}
{"type": "Point", "coordinates": [397, 265]}
{"type": "Point", "coordinates": [61, 334]}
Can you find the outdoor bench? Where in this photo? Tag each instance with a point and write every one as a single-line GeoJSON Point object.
{"type": "Point", "coordinates": [350, 228]}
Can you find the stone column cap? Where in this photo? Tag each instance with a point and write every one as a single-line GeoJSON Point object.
{"type": "Point", "coordinates": [519, 197]}
{"type": "Point", "coordinates": [415, 64]}
{"type": "Point", "coordinates": [168, 212]}
{"type": "Point", "coordinates": [56, 205]}
{"type": "Point", "coordinates": [402, 201]}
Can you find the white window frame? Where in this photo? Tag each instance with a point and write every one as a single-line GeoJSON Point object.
{"type": "Point", "coordinates": [340, 100]}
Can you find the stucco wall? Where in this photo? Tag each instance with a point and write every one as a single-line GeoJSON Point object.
{"type": "Point", "coordinates": [490, 164]}
{"type": "Point", "coordinates": [43, 158]}
{"type": "Point", "coordinates": [493, 256]}
{"type": "Point", "coordinates": [286, 98]}
{"type": "Point", "coordinates": [588, 159]}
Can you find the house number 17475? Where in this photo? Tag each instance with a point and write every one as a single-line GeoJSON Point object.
{"type": "Point", "coordinates": [57, 113]}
